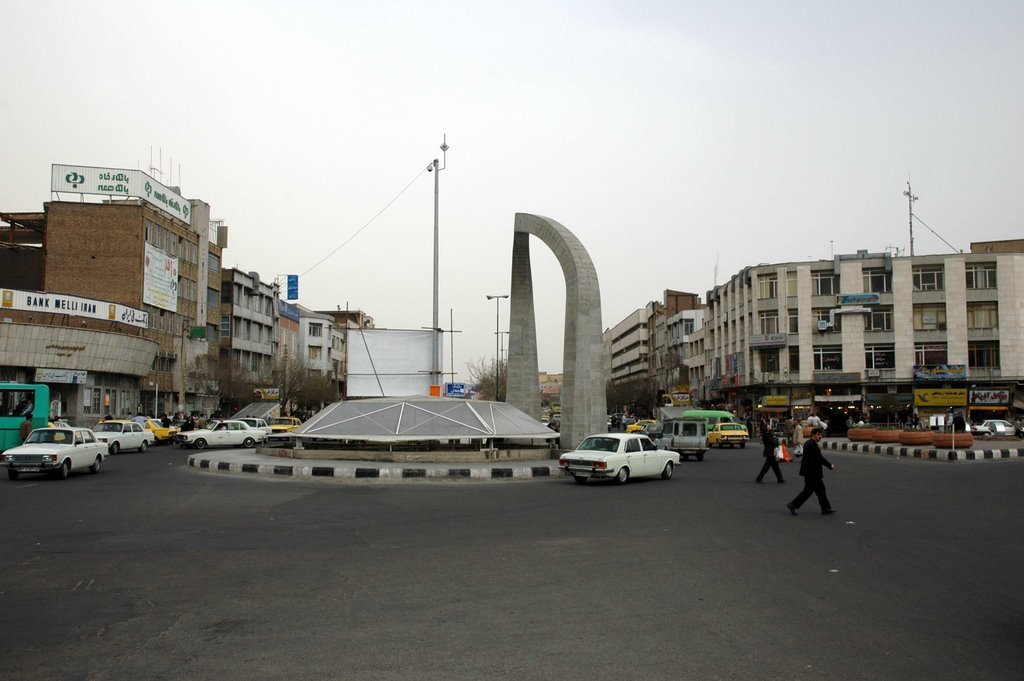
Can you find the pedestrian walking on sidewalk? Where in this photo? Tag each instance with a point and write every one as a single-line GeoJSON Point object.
{"type": "Point", "coordinates": [811, 467]}
{"type": "Point", "coordinates": [770, 443]}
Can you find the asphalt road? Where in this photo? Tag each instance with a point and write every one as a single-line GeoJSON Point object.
{"type": "Point", "coordinates": [152, 570]}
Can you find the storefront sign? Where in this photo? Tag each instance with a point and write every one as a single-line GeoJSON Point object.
{"type": "Point", "coordinates": [768, 340]}
{"type": "Point", "coordinates": [859, 299]}
{"type": "Point", "coordinates": [60, 376]}
{"type": "Point", "coordinates": [940, 372]}
{"type": "Point", "coordinates": [836, 377]}
{"type": "Point", "coordinates": [58, 303]}
{"type": "Point", "coordinates": [944, 397]}
{"type": "Point", "coordinates": [775, 400]}
{"type": "Point", "coordinates": [994, 397]}
{"type": "Point", "coordinates": [266, 393]}
{"type": "Point", "coordinates": [119, 182]}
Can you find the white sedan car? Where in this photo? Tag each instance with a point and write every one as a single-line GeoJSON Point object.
{"type": "Point", "coordinates": [619, 456]}
{"type": "Point", "coordinates": [221, 434]}
{"type": "Point", "coordinates": [260, 425]}
{"type": "Point", "coordinates": [57, 451]}
{"type": "Point", "coordinates": [124, 435]}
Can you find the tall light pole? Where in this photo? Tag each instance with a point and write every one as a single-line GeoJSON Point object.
{"type": "Point", "coordinates": [910, 202]}
{"type": "Point", "coordinates": [435, 369]}
{"type": "Point", "coordinates": [497, 341]}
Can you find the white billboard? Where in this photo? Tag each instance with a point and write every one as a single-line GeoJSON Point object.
{"type": "Point", "coordinates": [160, 279]}
{"type": "Point", "coordinates": [119, 182]}
{"type": "Point", "coordinates": [389, 362]}
{"type": "Point", "coordinates": [59, 303]}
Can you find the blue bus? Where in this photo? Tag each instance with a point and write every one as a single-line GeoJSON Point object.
{"type": "Point", "coordinates": [17, 400]}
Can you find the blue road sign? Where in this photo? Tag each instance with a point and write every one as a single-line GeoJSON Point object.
{"type": "Point", "coordinates": [454, 389]}
{"type": "Point", "coordinates": [293, 287]}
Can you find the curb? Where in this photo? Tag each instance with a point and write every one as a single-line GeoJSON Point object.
{"type": "Point", "coordinates": [931, 454]}
{"type": "Point", "coordinates": [365, 470]}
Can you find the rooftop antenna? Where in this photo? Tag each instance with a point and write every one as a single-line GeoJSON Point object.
{"type": "Point", "coordinates": [910, 205]}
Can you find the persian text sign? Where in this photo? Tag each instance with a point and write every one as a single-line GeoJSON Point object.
{"type": "Point", "coordinates": [45, 375]}
{"type": "Point", "coordinates": [767, 340]}
{"type": "Point", "coordinates": [858, 299]}
{"type": "Point", "coordinates": [160, 279]}
{"type": "Point", "coordinates": [995, 397]}
{"type": "Point", "coordinates": [775, 400]}
{"type": "Point", "coordinates": [940, 372]}
{"type": "Point", "coordinates": [119, 182]}
{"type": "Point", "coordinates": [941, 397]}
{"type": "Point", "coordinates": [59, 303]}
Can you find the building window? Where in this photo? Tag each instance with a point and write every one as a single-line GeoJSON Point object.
{"type": "Point", "coordinates": [879, 319]}
{"type": "Point", "coordinates": [212, 298]}
{"type": "Point", "coordinates": [929, 353]}
{"type": "Point", "coordinates": [225, 326]}
{"type": "Point", "coordinates": [769, 322]}
{"type": "Point", "coordinates": [316, 330]}
{"type": "Point", "coordinates": [791, 284]}
{"type": "Point", "coordinates": [880, 356]}
{"type": "Point", "coordinates": [877, 281]}
{"type": "Point", "coordinates": [981, 276]}
{"type": "Point", "coordinates": [983, 355]}
{"type": "Point", "coordinates": [770, 361]}
{"type": "Point", "coordinates": [928, 279]}
{"type": "Point", "coordinates": [768, 287]}
{"type": "Point", "coordinates": [794, 358]}
{"type": "Point", "coordinates": [982, 316]}
{"type": "Point", "coordinates": [315, 352]}
{"type": "Point", "coordinates": [794, 322]}
{"type": "Point", "coordinates": [828, 358]}
{"type": "Point", "coordinates": [824, 283]}
{"type": "Point", "coordinates": [213, 262]}
{"type": "Point", "coordinates": [930, 317]}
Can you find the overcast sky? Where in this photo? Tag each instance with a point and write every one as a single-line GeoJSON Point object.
{"type": "Point", "coordinates": [668, 136]}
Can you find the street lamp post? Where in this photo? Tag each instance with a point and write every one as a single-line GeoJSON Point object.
{"type": "Point", "coordinates": [497, 341]}
{"type": "Point", "coordinates": [435, 368]}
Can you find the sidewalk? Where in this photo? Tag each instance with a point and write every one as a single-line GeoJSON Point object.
{"type": "Point", "coordinates": [251, 463]}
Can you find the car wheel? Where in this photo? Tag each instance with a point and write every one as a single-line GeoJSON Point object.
{"type": "Point", "coordinates": [580, 479]}
{"type": "Point", "coordinates": [95, 467]}
{"type": "Point", "coordinates": [64, 471]}
{"type": "Point", "coordinates": [144, 446]}
{"type": "Point", "coordinates": [248, 443]}
{"type": "Point", "coordinates": [13, 474]}
{"type": "Point", "coordinates": [200, 443]}
{"type": "Point", "coordinates": [114, 447]}
{"type": "Point", "coordinates": [700, 456]}
{"type": "Point", "coordinates": [666, 472]}
{"type": "Point", "coordinates": [622, 476]}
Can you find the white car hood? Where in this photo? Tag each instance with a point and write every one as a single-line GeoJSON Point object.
{"type": "Point", "coordinates": [37, 449]}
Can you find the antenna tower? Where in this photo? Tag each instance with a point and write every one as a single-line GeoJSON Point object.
{"type": "Point", "coordinates": [910, 204]}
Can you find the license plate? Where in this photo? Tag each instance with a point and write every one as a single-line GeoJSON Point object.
{"type": "Point", "coordinates": [581, 474]}
{"type": "Point", "coordinates": [28, 469]}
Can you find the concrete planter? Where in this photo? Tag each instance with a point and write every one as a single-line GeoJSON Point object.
{"type": "Point", "coordinates": [949, 441]}
{"type": "Point", "coordinates": [884, 437]}
{"type": "Point", "coordinates": [915, 438]}
{"type": "Point", "coordinates": [860, 434]}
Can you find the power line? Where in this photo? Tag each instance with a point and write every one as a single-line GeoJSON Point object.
{"type": "Point", "coordinates": [377, 215]}
{"type": "Point", "coordinates": [955, 249]}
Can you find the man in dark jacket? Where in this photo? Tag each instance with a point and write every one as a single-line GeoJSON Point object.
{"type": "Point", "coordinates": [811, 468]}
{"type": "Point", "coordinates": [770, 443]}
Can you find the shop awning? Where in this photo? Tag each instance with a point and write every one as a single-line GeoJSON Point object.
{"type": "Point", "coordinates": [837, 398]}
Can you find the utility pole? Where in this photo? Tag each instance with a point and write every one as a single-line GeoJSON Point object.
{"type": "Point", "coordinates": [910, 204]}
{"type": "Point", "coordinates": [435, 369]}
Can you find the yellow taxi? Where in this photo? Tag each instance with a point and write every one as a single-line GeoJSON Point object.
{"type": "Point", "coordinates": [638, 426]}
{"type": "Point", "coordinates": [283, 424]}
{"type": "Point", "coordinates": [731, 434]}
{"type": "Point", "coordinates": [161, 432]}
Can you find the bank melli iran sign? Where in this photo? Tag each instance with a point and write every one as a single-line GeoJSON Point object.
{"type": "Point", "coordinates": [58, 303]}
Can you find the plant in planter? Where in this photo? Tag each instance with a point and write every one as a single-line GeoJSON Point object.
{"type": "Point", "coordinates": [860, 434]}
{"type": "Point", "coordinates": [885, 436]}
{"type": "Point", "coordinates": [915, 438]}
{"type": "Point", "coordinates": [946, 440]}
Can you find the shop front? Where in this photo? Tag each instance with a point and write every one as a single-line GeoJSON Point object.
{"type": "Point", "coordinates": [988, 403]}
{"type": "Point", "coordinates": [837, 398]}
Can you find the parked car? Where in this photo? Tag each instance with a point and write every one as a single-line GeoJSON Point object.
{"type": "Point", "coordinates": [221, 434]}
{"type": "Point", "coordinates": [618, 456]}
{"type": "Point", "coordinates": [123, 435]}
{"type": "Point", "coordinates": [57, 451]}
{"type": "Point", "coordinates": [997, 427]}
{"type": "Point", "coordinates": [731, 434]}
{"type": "Point", "coordinates": [161, 432]}
{"type": "Point", "coordinates": [258, 424]}
{"type": "Point", "coordinates": [284, 424]}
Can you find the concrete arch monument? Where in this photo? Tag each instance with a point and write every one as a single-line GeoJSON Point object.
{"type": "Point", "coordinates": [583, 384]}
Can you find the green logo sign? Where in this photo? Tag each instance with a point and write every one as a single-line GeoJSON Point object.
{"type": "Point", "coordinates": [74, 179]}
{"type": "Point", "coordinates": [149, 188]}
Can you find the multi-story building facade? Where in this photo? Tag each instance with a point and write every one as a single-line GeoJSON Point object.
{"type": "Point", "coordinates": [248, 323]}
{"type": "Point", "coordinates": [122, 296]}
{"type": "Point", "coordinates": [868, 334]}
